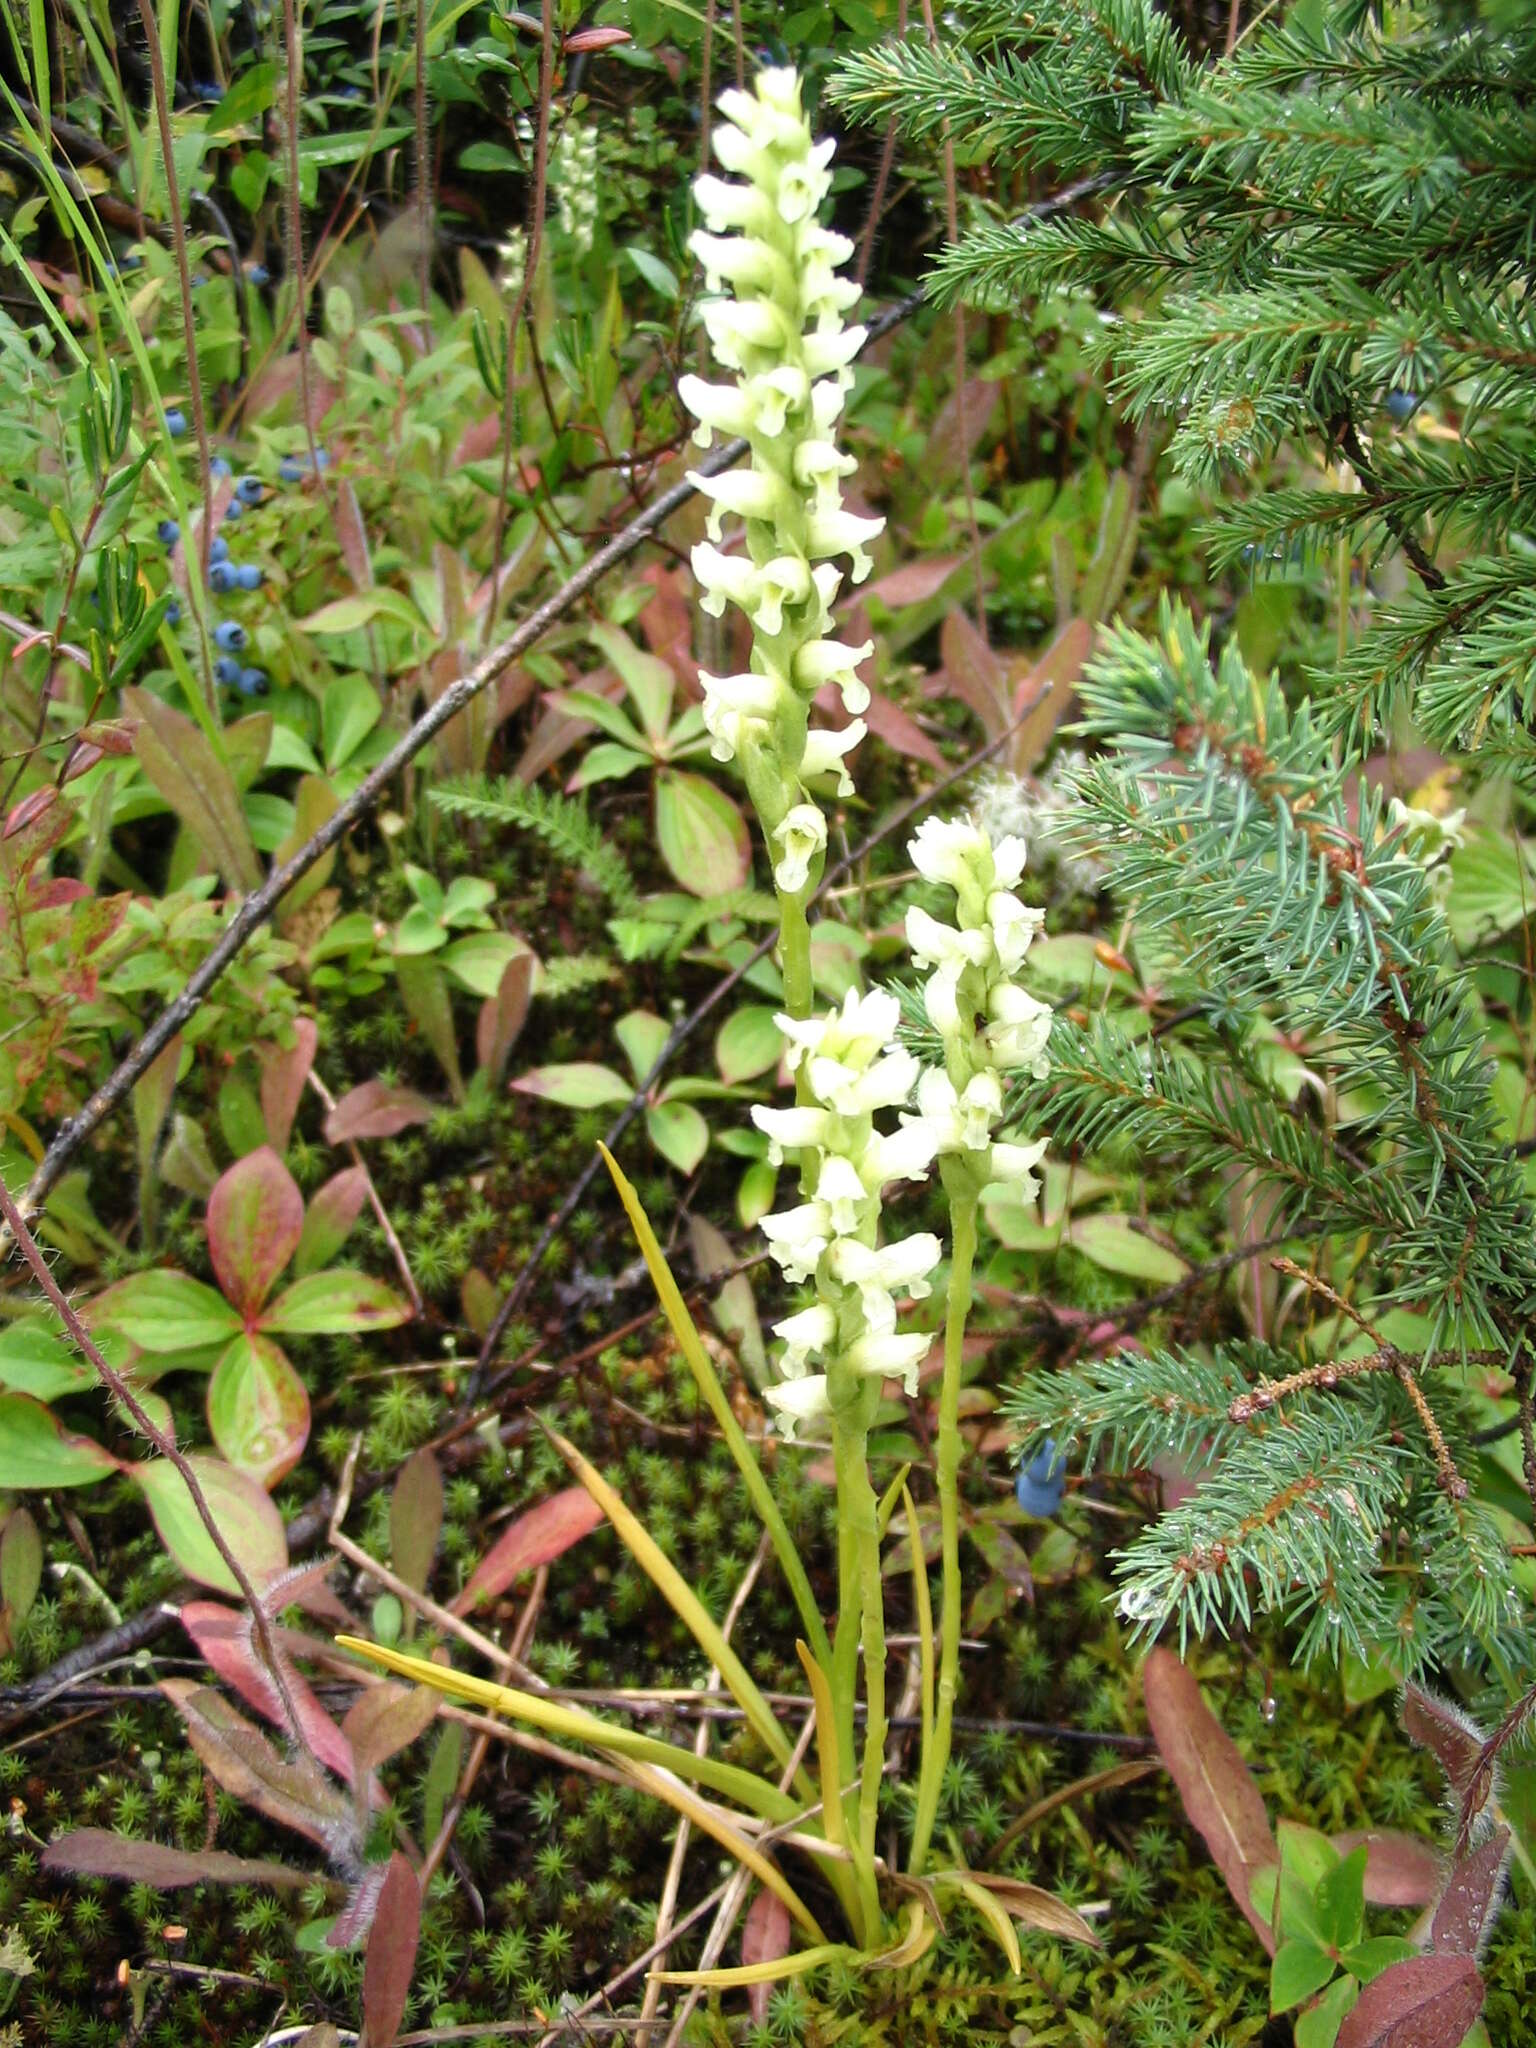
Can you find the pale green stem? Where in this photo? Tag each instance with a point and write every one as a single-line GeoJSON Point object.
{"type": "Point", "coordinates": [795, 954]}
{"type": "Point", "coordinates": [936, 1754]}
{"type": "Point", "coordinates": [858, 1553]}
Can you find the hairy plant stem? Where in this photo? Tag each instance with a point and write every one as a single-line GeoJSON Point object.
{"type": "Point", "coordinates": [795, 953]}
{"type": "Point", "coordinates": [936, 1754]}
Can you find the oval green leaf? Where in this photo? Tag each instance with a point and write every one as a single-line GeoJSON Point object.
{"type": "Point", "coordinates": [255, 1221]}
{"type": "Point", "coordinates": [36, 1452]}
{"type": "Point", "coordinates": [258, 1409]}
{"type": "Point", "coordinates": [748, 1043]}
{"type": "Point", "coordinates": [580, 1084]}
{"type": "Point", "coordinates": [163, 1310]}
{"type": "Point", "coordinates": [1111, 1242]}
{"type": "Point", "coordinates": [335, 1304]}
{"type": "Point", "coordinates": [701, 835]}
{"type": "Point", "coordinates": [678, 1132]}
{"type": "Point", "coordinates": [244, 1516]}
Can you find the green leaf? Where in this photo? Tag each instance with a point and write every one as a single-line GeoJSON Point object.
{"type": "Point", "coordinates": [1318, 2027]}
{"type": "Point", "coordinates": [748, 1043]}
{"type": "Point", "coordinates": [1112, 1242]}
{"type": "Point", "coordinates": [700, 834]}
{"type": "Point", "coordinates": [480, 959]}
{"type": "Point", "coordinates": [248, 97]}
{"type": "Point", "coordinates": [678, 1132]}
{"type": "Point", "coordinates": [33, 1360]}
{"type": "Point", "coordinates": [467, 899]}
{"type": "Point", "coordinates": [1367, 1959]}
{"type": "Point", "coordinates": [601, 712]}
{"type": "Point", "coordinates": [163, 1310]}
{"type": "Point", "coordinates": [1492, 886]}
{"type": "Point", "coordinates": [658, 275]}
{"type": "Point", "coordinates": [349, 614]}
{"type": "Point", "coordinates": [36, 1451]}
{"type": "Point", "coordinates": [650, 683]}
{"type": "Point", "coordinates": [577, 1084]}
{"type": "Point", "coordinates": [325, 152]}
{"type": "Point", "coordinates": [755, 1193]}
{"type": "Point", "coordinates": [335, 1303]}
{"type": "Point", "coordinates": [1298, 1971]}
{"type": "Point", "coordinates": [1306, 1858]}
{"type": "Point", "coordinates": [424, 990]}
{"type": "Point", "coordinates": [349, 710]}
{"type": "Point", "coordinates": [418, 932]}
{"type": "Point", "coordinates": [250, 1525]}
{"type": "Point", "coordinates": [255, 1221]}
{"type": "Point", "coordinates": [258, 1409]}
{"type": "Point", "coordinates": [641, 1036]}
{"type": "Point", "coordinates": [606, 762]}
{"type": "Point", "coordinates": [1340, 1900]}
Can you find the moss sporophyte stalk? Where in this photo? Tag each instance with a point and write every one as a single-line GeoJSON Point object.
{"type": "Point", "coordinates": [867, 1114]}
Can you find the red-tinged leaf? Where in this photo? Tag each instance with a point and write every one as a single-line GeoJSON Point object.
{"type": "Point", "coordinates": [1428, 2002]}
{"type": "Point", "coordinates": [250, 1525]}
{"type": "Point", "coordinates": [416, 1518]}
{"type": "Point", "coordinates": [1217, 1789]}
{"type": "Point", "coordinates": [913, 583]}
{"type": "Point", "coordinates": [328, 1221]}
{"type": "Point", "coordinates": [224, 1639]}
{"type": "Point", "coordinates": [1043, 695]}
{"type": "Point", "coordinates": [502, 1017]}
{"type": "Point", "coordinates": [593, 39]}
{"type": "Point", "coordinates": [352, 1923]}
{"type": "Point", "coordinates": [538, 1536]}
{"type": "Point", "coordinates": [1447, 1732]}
{"type": "Point", "coordinates": [888, 722]}
{"type": "Point", "coordinates": [391, 1956]}
{"type": "Point", "coordinates": [93, 1852]}
{"type": "Point", "coordinates": [387, 1718]}
{"type": "Point", "coordinates": [973, 673]}
{"type": "Point", "coordinates": [258, 1409]}
{"type": "Point", "coordinates": [352, 535]}
{"type": "Point", "coordinates": [478, 440]}
{"type": "Point", "coordinates": [282, 1081]}
{"type": "Point", "coordinates": [239, 1757]}
{"type": "Point", "coordinates": [1470, 1898]}
{"type": "Point", "coordinates": [958, 428]}
{"type": "Point", "coordinates": [1032, 1906]}
{"type": "Point", "coordinates": [163, 1311]}
{"type": "Point", "coordinates": [255, 1220]}
{"type": "Point", "coordinates": [1400, 1870]}
{"type": "Point", "coordinates": [376, 1111]}
{"type": "Point", "coordinates": [182, 764]}
{"type": "Point", "coordinates": [765, 1936]}
{"type": "Point", "coordinates": [337, 1303]}
{"type": "Point", "coordinates": [29, 810]}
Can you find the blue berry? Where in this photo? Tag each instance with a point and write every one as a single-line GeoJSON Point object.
{"type": "Point", "coordinates": [207, 89]}
{"type": "Point", "coordinates": [257, 274]}
{"type": "Point", "coordinates": [235, 509]}
{"type": "Point", "coordinates": [254, 682]}
{"type": "Point", "coordinates": [223, 577]}
{"type": "Point", "coordinates": [1402, 405]}
{"type": "Point", "coordinates": [169, 532]}
{"type": "Point", "coordinates": [1042, 1482]}
{"type": "Point", "coordinates": [248, 576]}
{"type": "Point", "coordinates": [200, 280]}
{"type": "Point", "coordinates": [230, 635]}
{"type": "Point", "coordinates": [173, 613]}
{"type": "Point", "coordinates": [228, 671]}
{"type": "Point", "coordinates": [218, 467]}
{"type": "Point", "coordinates": [290, 470]}
{"type": "Point", "coordinates": [249, 489]}
{"type": "Point", "coordinates": [218, 549]}
{"type": "Point", "coordinates": [175, 422]}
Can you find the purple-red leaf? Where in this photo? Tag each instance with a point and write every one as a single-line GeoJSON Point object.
{"type": "Point", "coordinates": [93, 1852]}
{"type": "Point", "coordinates": [352, 1923]}
{"type": "Point", "coordinates": [1471, 1894]}
{"type": "Point", "coordinates": [255, 1220]}
{"type": "Point", "coordinates": [258, 1409]}
{"type": "Point", "coordinates": [1447, 1732]}
{"type": "Point", "coordinates": [536, 1537]}
{"type": "Point", "coordinates": [1426, 2002]}
{"type": "Point", "coordinates": [240, 1758]}
{"type": "Point", "coordinates": [376, 1111]}
{"type": "Point", "coordinates": [1400, 1870]}
{"type": "Point", "coordinates": [385, 1719]}
{"type": "Point", "coordinates": [416, 1518]}
{"type": "Point", "coordinates": [391, 1955]}
{"type": "Point", "coordinates": [282, 1081]}
{"type": "Point", "coordinates": [765, 1936]}
{"type": "Point", "coordinates": [1217, 1788]}
{"type": "Point", "coordinates": [223, 1636]}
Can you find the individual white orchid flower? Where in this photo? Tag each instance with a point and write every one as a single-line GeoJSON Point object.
{"type": "Point", "coordinates": [798, 1401]}
{"type": "Point", "coordinates": [825, 753]}
{"type": "Point", "coordinates": [799, 838]}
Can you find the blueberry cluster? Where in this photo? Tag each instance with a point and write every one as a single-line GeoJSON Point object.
{"type": "Point", "coordinates": [224, 575]}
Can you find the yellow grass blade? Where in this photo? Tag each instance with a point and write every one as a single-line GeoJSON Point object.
{"type": "Point", "coordinates": [575, 1724]}
{"type": "Point", "coordinates": [683, 1601]}
{"type": "Point", "coordinates": [997, 1920]}
{"type": "Point", "coordinates": [773, 1972]}
{"type": "Point", "coordinates": [669, 1294]}
{"type": "Point", "coordinates": [826, 1749]}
